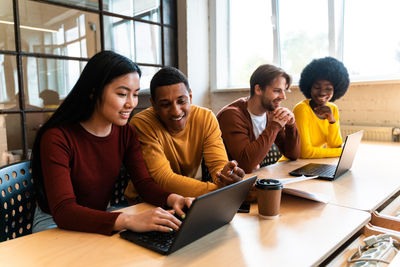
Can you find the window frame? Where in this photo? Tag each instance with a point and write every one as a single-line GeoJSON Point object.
{"type": "Point", "coordinates": [170, 8]}
{"type": "Point", "coordinates": [336, 18]}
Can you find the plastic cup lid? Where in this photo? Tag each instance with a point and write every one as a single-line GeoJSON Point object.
{"type": "Point", "coordinates": [269, 184]}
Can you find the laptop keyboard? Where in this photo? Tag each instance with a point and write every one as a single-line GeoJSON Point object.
{"type": "Point", "coordinates": [158, 240]}
{"type": "Point", "coordinates": [321, 170]}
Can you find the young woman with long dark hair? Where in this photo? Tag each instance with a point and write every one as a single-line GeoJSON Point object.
{"type": "Point", "coordinates": [78, 153]}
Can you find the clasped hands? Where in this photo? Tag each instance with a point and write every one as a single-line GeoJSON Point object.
{"type": "Point", "coordinates": [283, 116]}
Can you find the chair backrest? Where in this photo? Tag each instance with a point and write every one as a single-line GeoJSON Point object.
{"type": "Point", "coordinates": [205, 174]}
{"type": "Point", "coordinates": [17, 200]}
{"type": "Point", "coordinates": [272, 156]}
{"type": "Point", "coordinates": [118, 198]}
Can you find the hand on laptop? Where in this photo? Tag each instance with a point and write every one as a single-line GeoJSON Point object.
{"type": "Point", "coordinates": [179, 204]}
{"type": "Point", "coordinates": [230, 174]}
{"type": "Point", "coordinates": [156, 219]}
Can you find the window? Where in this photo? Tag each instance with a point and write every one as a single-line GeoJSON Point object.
{"type": "Point", "coordinates": [372, 48]}
{"type": "Point", "coordinates": [290, 33]}
{"type": "Point", "coordinates": [42, 60]}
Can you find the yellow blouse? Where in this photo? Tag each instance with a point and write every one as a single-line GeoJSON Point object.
{"type": "Point", "coordinates": [319, 138]}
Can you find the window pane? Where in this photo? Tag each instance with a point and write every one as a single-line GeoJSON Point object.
{"type": "Point", "coordinates": [116, 29]}
{"type": "Point", "coordinates": [141, 9]}
{"type": "Point", "coordinates": [141, 40]}
{"type": "Point", "coordinates": [170, 47]}
{"type": "Point", "coordinates": [8, 82]}
{"type": "Point", "coordinates": [49, 80]}
{"type": "Point", "coordinates": [82, 3]}
{"type": "Point", "coordinates": [169, 12]}
{"type": "Point", "coordinates": [57, 30]}
{"type": "Point", "coordinates": [7, 41]}
{"type": "Point", "coordinates": [250, 41]}
{"type": "Point", "coordinates": [371, 44]}
{"type": "Point", "coordinates": [148, 43]}
{"type": "Point", "coordinates": [10, 138]}
{"type": "Point", "coordinates": [303, 33]}
{"type": "Point", "coordinates": [147, 74]}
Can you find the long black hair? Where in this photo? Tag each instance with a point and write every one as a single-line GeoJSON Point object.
{"type": "Point", "coordinates": [80, 103]}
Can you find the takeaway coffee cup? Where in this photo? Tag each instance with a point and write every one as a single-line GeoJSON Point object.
{"type": "Point", "coordinates": [269, 193]}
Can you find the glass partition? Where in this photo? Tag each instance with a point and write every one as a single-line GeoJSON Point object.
{"type": "Point", "coordinates": [41, 60]}
{"type": "Point", "coordinates": [50, 80]}
{"type": "Point", "coordinates": [58, 30]}
{"type": "Point", "coordinates": [8, 82]}
{"type": "Point", "coordinates": [7, 36]}
{"type": "Point", "coordinates": [142, 40]}
{"type": "Point", "coordinates": [147, 74]}
{"type": "Point", "coordinates": [139, 9]}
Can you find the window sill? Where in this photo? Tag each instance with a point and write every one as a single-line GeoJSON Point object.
{"type": "Point", "coordinates": [296, 86]}
{"type": "Point", "coordinates": [228, 90]}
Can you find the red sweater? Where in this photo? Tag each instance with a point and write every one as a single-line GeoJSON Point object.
{"type": "Point", "coordinates": [80, 170]}
{"type": "Point", "coordinates": [241, 143]}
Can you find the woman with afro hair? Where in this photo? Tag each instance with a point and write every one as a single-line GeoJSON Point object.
{"type": "Point", "coordinates": [322, 82]}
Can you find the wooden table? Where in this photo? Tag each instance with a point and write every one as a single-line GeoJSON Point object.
{"type": "Point", "coordinates": [373, 179]}
{"type": "Point", "coordinates": [305, 234]}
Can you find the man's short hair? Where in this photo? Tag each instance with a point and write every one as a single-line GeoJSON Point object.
{"type": "Point", "coordinates": [265, 74]}
{"type": "Point", "coordinates": [167, 76]}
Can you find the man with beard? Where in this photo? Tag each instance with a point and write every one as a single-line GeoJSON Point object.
{"type": "Point", "coordinates": [175, 136]}
{"type": "Point", "coordinates": [251, 125]}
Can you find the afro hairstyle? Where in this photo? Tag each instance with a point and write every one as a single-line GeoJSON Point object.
{"type": "Point", "coordinates": [329, 69]}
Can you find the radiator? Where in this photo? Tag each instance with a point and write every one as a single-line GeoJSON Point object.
{"type": "Point", "coordinates": [371, 133]}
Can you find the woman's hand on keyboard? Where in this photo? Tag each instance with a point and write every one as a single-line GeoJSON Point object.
{"type": "Point", "coordinates": [180, 204]}
{"type": "Point", "coordinates": [156, 219]}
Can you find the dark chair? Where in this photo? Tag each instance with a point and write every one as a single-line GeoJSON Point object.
{"type": "Point", "coordinates": [118, 199]}
{"type": "Point", "coordinates": [272, 156]}
{"type": "Point", "coordinates": [205, 175]}
{"type": "Point", "coordinates": [17, 200]}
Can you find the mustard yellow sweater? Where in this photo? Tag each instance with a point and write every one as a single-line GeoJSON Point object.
{"type": "Point", "coordinates": [173, 159]}
{"type": "Point", "coordinates": [319, 138]}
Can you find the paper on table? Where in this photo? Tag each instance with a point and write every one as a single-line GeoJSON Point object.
{"type": "Point", "coordinates": [301, 193]}
{"type": "Point", "coordinates": [285, 181]}
{"type": "Point", "coordinates": [308, 195]}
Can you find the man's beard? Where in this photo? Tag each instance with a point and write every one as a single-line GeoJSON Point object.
{"type": "Point", "coordinates": [268, 105]}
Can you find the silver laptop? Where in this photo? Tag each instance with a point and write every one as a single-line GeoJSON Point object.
{"type": "Point", "coordinates": [331, 172]}
{"type": "Point", "coordinates": [207, 213]}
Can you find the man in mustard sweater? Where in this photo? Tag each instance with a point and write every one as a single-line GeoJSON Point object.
{"type": "Point", "coordinates": [175, 135]}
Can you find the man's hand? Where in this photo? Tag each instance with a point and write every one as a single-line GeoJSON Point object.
{"type": "Point", "coordinates": [283, 116]}
{"type": "Point", "coordinates": [230, 174]}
